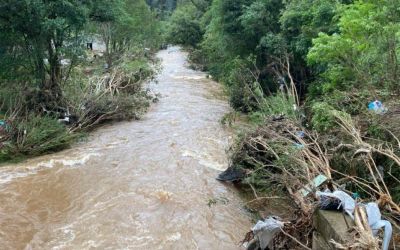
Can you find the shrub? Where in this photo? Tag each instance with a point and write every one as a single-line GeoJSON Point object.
{"type": "Point", "coordinates": [245, 92]}
{"type": "Point", "coordinates": [280, 104]}
{"type": "Point", "coordinates": [322, 118]}
{"type": "Point", "coordinates": [184, 28]}
{"type": "Point", "coordinates": [35, 135]}
{"type": "Point", "coordinates": [117, 95]}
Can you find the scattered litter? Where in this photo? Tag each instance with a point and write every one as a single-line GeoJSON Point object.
{"type": "Point", "coordinates": [316, 182]}
{"type": "Point", "coordinates": [264, 231]}
{"type": "Point", "coordinates": [300, 134]}
{"type": "Point", "coordinates": [346, 202]}
{"type": "Point", "coordinates": [356, 195]}
{"type": "Point", "coordinates": [4, 126]}
{"type": "Point", "coordinates": [377, 107]}
{"type": "Point", "coordinates": [298, 146]}
{"type": "Point", "coordinates": [340, 200]}
{"type": "Point", "coordinates": [376, 223]}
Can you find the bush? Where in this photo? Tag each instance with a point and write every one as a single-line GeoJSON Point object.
{"type": "Point", "coordinates": [184, 28]}
{"type": "Point", "coordinates": [116, 95]}
{"type": "Point", "coordinates": [198, 60]}
{"type": "Point", "coordinates": [245, 92]}
{"type": "Point", "coordinates": [35, 135]}
{"type": "Point", "coordinates": [88, 100]}
{"type": "Point", "coordinates": [322, 118]}
{"type": "Point", "coordinates": [280, 104]}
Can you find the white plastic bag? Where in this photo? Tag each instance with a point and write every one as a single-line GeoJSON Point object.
{"type": "Point", "coordinates": [266, 230]}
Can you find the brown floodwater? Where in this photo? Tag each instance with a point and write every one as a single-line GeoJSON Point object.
{"type": "Point", "coordinates": [147, 184]}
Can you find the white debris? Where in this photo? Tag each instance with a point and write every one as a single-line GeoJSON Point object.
{"type": "Point", "coordinates": [265, 230]}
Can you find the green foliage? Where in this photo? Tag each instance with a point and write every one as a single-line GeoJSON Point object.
{"type": "Point", "coordinates": [280, 104]}
{"type": "Point", "coordinates": [322, 116]}
{"type": "Point", "coordinates": [35, 135]}
{"type": "Point", "coordinates": [245, 94]}
{"type": "Point", "coordinates": [259, 19]}
{"type": "Point", "coordinates": [271, 30]}
{"type": "Point", "coordinates": [123, 24]}
{"type": "Point", "coordinates": [38, 30]}
{"type": "Point", "coordinates": [36, 88]}
{"type": "Point", "coordinates": [184, 26]}
{"type": "Point", "coordinates": [363, 53]}
{"type": "Point", "coordinates": [163, 8]}
{"type": "Point", "coordinates": [302, 20]}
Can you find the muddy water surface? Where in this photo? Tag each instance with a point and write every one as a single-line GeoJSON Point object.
{"type": "Point", "coordinates": [145, 184]}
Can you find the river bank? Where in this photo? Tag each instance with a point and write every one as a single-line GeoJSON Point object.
{"type": "Point", "coordinates": [92, 95]}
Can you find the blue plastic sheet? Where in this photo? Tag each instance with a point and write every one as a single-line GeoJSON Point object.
{"type": "Point", "coordinates": [377, 107]}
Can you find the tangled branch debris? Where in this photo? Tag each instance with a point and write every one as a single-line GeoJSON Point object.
{"type": "Point", "coordinates": [281, 155]}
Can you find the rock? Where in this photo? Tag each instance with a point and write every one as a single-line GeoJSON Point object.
{"type": "Point", "coordinates": [232, 174]}
{"type": "Point", "coordinates": [331, 225]}
{"type": "Point", "coordinates": [318, 242]}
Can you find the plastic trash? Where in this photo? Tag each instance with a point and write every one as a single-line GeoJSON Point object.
{"type": "Point", "coordinates": [377, 107]}
{"type": "Point", "coordinates": [300, 134]}
{"type": "Point", "coordinates": [298, 146]}
{"type": "Point", "coordinates": [4, 126]}
{"type": "Point", "coordinates": [374, 215]}
{"type": "Point", "coordinates": [376, 223]}
{"type": "Point", "coordinates": [347, 203]}
{"type": "Point", "coordinates": [329, 203]}
{"type": "Point", "coordinates": [232, 174]}
{"type": "Point", "coordinates": [265, 230]}
{"type": "Point", "coordinates": [316, 182]}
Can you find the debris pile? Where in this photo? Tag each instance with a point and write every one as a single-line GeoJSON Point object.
{"type": "Point", "coordinates": [282, 155]}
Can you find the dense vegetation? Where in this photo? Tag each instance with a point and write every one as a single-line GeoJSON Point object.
{"type": "Point", "coordinates": [320, 81]}
{"type": "Point", "coordinates": [53, 84]}
{"type": "Point", "coordinates": [330, 46]}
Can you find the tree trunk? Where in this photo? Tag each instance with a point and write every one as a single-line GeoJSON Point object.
{"type": "Point", "coordinates": [51, 91]}
{"type": "Point", "coordinates": [40, 69]}
{"type": "Point", "coordinates": [106, 36]}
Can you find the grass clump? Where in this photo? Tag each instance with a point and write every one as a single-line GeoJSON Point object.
{"type": "Point", "coordinates": [34, 135]}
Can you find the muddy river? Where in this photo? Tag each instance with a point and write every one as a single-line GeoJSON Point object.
{"type": "Point", "coordinates": [147, 184]}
